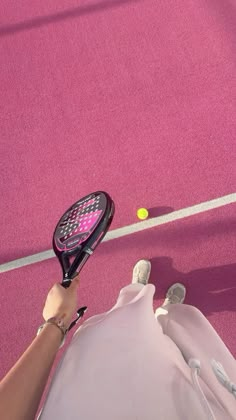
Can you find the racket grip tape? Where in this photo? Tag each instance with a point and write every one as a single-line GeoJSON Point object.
{"type": "Point", "coordinates": [66, 283]}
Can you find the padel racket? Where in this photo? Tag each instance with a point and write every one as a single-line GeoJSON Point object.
{"type": "Point", "coordinates": [80, 230]}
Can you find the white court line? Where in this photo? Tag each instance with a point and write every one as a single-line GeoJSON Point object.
{"type": "Point", "coordinates": [127, 230]}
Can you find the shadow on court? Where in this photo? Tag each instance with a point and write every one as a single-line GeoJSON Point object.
{"type": "Point", "coordinates": [72, 13]}
{"type": "Point", "coordinates": [210, 289]}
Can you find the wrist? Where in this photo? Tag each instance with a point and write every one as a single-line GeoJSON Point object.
{"type": "Point", "coordinates": [51, 335]}
{"type": "Point", "coordinates": [56, 327]}
{"type": "Point", "coordinates": [52, 330]}
{"type": "Point", "coordinates": [59, 316]}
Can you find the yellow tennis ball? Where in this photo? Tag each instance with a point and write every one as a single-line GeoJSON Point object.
{"type": "Point", "coordinates": [142, 213]}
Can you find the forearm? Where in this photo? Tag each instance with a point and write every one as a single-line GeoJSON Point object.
{"type": "Point", "coordinates": [22, 388]}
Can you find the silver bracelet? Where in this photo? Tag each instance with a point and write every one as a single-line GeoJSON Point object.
{"type": "Point", "coordinates": [59, 324]}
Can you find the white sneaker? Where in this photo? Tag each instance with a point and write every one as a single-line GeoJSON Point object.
{"type": "Point", "coordinates": [175, 294]}
{"type": "Point", "coordinates": [141, 272]}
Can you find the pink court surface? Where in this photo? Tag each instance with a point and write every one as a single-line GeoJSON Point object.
{"type": "Point", "coordinates": [137, 98]}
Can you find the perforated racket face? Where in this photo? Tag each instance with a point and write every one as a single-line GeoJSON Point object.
{"type": "Point", "coordinates": [78, 223]}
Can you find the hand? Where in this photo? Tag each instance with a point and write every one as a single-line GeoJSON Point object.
{"type": "Point", "coordinates": [61, 302]}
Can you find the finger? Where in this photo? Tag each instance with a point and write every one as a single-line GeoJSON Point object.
{"type": "Point", "coordinates": [75, 282]}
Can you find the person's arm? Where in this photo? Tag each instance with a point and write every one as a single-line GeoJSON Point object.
{"type": "Point", "coordinates": [23, 386]}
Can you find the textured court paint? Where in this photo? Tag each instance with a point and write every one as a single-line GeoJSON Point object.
{"type": "Point", "coordinates": [138, 100]}
{"type": "Point", "coordinates": [133, 97]}
{"type": "Point", "coordinates": [127, 230]}
{"type": "Point", "coordinates": [198, 251]}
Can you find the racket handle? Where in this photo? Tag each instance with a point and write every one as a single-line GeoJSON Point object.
{"type": "Point", "coordinates": [66, 283]}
